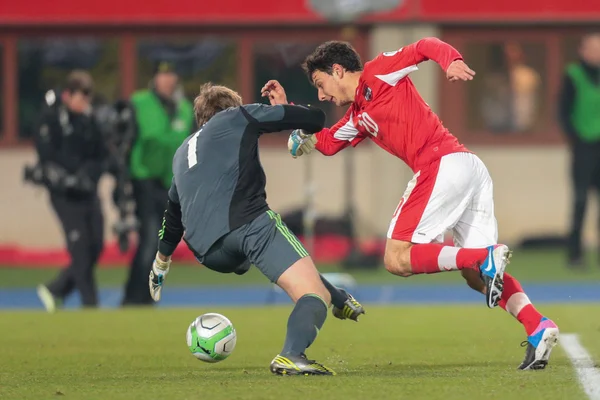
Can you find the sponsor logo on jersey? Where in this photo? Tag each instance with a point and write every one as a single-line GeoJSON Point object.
{"type": "Point", "coordinates": [368, 93]}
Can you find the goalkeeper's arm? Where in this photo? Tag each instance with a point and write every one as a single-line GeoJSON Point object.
{"type": "Point", "coordinates": [169, 235]}
{"type": "Point", "coordinates": [266, 119]}
{"type": "Point", "coordinates": [171, 232]}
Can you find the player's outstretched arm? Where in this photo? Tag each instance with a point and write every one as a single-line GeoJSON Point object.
{"type": "Point", "coordinates": [302, 141]}
{"type": "Point", "coordinates": [267, 119]}
{"type": "Point", "coordinates": [330, 141]}
{"type": "Point", "coordinates": [447, 57]}
{"type": "Point", "coordinates": [169, 235]}
{"type": "Point", "coordinates": [429, 48]}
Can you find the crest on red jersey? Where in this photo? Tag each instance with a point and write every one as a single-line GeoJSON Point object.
{"type": "Point", "coordinates": [368, 93]}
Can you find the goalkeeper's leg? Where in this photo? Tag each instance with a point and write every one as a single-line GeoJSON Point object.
{"type": "Point", "coordinates": [302, 283]}
{"type": "Point", "coordinates": [280, 256]}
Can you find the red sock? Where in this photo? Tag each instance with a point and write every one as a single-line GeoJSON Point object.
{"type": "Point", "coordinates": [516, 302]}
{"type": "Point", "coordinates": [432, 258]}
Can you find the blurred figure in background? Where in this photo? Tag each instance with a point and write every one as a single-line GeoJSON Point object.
{"type": "Point", "coordinates": [525, 84]}
{"type": "Point", "coordinates": [510, 101]}
{"type": "Point", "coordinates": [164, 118]}
{"type": "Point", "coordinates": [72, 154]}
{"type": "Point", "coordinates": [579, 113]}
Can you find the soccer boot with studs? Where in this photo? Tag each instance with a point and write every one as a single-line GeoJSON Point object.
{"type": "Point", "coordinates": [352, 308]}
{"type": "Point", "coordinates": [492, 272]}
{"type": "Point", "coordinates": [539, 345]}
{"type": "Point", "coordinates": [48, 300]}
{"type": "Point", "coordinates": [298, 365]}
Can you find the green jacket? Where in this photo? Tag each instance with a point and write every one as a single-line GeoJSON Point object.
{"type": "Point", "coordinates": [158, 137]}
{"type": "Point", "coordinates": [585, 116]}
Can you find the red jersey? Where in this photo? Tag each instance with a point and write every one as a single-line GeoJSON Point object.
{"type": "Point", "coordinates": [388, 109]}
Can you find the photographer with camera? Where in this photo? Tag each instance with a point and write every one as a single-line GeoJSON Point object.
{"type": "Point", "coordinates": [117, 122]}
{"type": "Point", "coordinates": [72, 159]}
{"type": "Point", "coordinates": [164, 119]}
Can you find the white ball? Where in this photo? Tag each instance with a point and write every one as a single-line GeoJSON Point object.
{"type": "Point", "coordinates": [211, 337]}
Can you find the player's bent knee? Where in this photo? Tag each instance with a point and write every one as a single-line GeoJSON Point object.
{"type": "Point", "coordinates": [397, 258]}
{"type": "Point", "coordinates": [302, 278]}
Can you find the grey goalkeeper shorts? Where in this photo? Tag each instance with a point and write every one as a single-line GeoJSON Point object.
{"type": "Point", "coordinates": [266, 243]}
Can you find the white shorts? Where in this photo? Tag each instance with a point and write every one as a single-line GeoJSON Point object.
{"type": "Point", "coordinates": [454, 194]}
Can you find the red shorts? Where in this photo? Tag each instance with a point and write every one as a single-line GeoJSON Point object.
{"type": "Point", "coordinates": [454, 194]}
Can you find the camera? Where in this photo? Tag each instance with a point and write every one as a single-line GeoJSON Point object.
{"type": "Point", "coordinates": [117, 124]}
{"type": "Point", "coordinates": [34, 174]}
{"type": "Point", "coordinates": [57, 179]}
{"type": "Point", "coordinates": [118, 128]}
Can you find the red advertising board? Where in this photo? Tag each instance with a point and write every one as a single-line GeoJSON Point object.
{"type": "Point", "coordinates": [282, 12]}
{"type": "Point", "coordinates": [509, 10]}
{"type": "Point", "coordinates": [169, 11]}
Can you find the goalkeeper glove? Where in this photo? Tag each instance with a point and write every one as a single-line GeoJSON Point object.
{"type": "Point", "coordinates": [158, 274]}
{"type": "Point", "coordinates": [301, 142]}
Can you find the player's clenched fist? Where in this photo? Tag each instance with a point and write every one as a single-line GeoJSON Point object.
{"type": "Point", "coordinates": [275, 92]}
{"type": "Point", "coordinates": [301, 142]}
{"type": "Point", "coordinates": [458, 70]}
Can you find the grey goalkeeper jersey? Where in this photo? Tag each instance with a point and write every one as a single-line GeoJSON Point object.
{"type": "Point", "coordinates": [219, 183]}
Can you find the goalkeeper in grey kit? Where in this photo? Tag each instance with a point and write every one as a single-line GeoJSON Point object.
{"type": "Point", "coordinates": [217, 204]}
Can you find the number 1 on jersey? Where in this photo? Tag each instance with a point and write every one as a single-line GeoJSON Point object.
{"type": "Point", "coordinates": [192, 157]}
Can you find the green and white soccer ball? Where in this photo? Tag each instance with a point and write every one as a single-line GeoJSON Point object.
{"type": "Point", "coordinates": [211, 337]}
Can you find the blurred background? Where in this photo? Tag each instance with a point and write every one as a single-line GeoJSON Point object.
{"type": "Point", "coordinates": [510, 115]}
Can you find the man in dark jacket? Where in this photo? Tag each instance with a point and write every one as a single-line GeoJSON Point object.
{"type": "Point", "coordinates": [72, 155]}
{"type": "Point", "coordinates": [579, 113]}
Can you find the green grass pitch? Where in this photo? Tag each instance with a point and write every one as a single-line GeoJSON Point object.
{"type": "Point", "coordinates": [404, 352]}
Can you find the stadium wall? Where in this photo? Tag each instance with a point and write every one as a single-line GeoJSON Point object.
{"type": "Point", "coordinates": [531, 184]}
{"type": "Point", "coordinates": [531, 188]}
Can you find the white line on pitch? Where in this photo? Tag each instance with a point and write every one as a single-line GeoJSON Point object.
{"type": "Point", "coordinates": [588, 374]}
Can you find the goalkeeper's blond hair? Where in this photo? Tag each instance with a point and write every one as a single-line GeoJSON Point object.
{"type": "Point", "coordinates": [213, 99]}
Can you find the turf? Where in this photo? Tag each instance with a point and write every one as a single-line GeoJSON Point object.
{"type": "Point", "coordinates": [446, 352]}
{"type": "Point", "coordinates": [527, 266]}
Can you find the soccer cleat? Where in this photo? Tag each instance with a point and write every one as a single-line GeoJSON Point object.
{"type": "Point", "coordinates": [47, 298]}
{"type": "Point", "coordinates": [539, 345]}
{"type": "Point", "coordinates": [492, 272]}
{"type": "Point", "coordinates": [352, 308]}
{"type": "Point", "coordinates": [298, 365]}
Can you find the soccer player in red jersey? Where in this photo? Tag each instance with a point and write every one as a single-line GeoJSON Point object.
{"type": "Point", "coordinates": [451, 188]}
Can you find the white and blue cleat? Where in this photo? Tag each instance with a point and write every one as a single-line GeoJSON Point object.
{"type": "Point", "coordinates": [492, 272]}
{"type": "Point", "coordinates": [539, 345]}
{"type": "Point", "coordinates": [47, 298]}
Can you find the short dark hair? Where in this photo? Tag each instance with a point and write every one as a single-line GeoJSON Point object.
{"type": "Point", "coordinates": [213, 99]}
{"type": "Point", "coordinates": [329, 53]}
{"type": "Point", "coordinates": [79, 81]}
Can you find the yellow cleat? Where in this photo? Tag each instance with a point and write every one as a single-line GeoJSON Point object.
{"type": "Point", "coordinates": [352, 309]}
{"type": "Point", "coordinates": [298, 365]}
